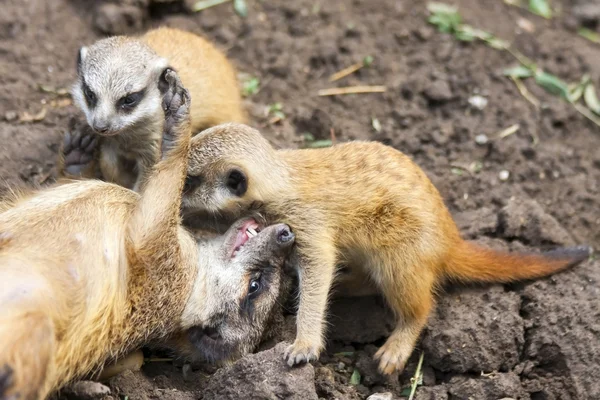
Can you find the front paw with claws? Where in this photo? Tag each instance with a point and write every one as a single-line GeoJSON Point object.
{"type": "Point", "coordinates": [301, 352]}
{"type": "Point", "coordinates": [176, 104]}
{"type": "Point", "coordinates": [78, 150]}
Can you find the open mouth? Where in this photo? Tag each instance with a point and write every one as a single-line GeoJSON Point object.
{"type": "Point", "coordinates": [246, 232]}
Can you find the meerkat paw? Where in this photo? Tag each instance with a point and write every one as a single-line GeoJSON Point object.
{"type": "Point", "coordinates": [392, 357]}
{"type": "Point", "coordinates": [176, 104]}
{"type": "Point", "coordinates": [301, 352]}
{"type": "Point", "coordinates": [78, 151]}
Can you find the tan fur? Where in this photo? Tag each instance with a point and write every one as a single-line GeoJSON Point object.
{"type": "Point", "coordinates": [126, 155]}
{"type": "Point", "coordinates": [90, 270]}
{"type": "Point", "coordinates": [362, 204]}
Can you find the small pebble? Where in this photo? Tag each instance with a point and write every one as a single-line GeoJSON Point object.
{"type": "Point", "coordinates": [503, 175]}
{"type": "Point", "coordinates": [10, 115]}
{"type": "Point", "coordinates": [381, 396]}
{"type": "Point", "coordinates": [478, 102]}
{"type": "Point", "coordinates": [481, 139]}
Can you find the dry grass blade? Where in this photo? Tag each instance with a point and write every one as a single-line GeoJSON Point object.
{"type": "Point", "coordinates": [525, 93]}
{"type": "Point", "coordinates": [26, 117]}
{"type": "Point", "coordinates": [368, 60]}
{"type": "Point", "coordinates": [345, 72]}
{"type": "Point", "coordinates": [351, 90]}
{"type": "Point", "coordinates": [508, 131]}
{"type": "Point", "coordinates": [416, 378]}
{"type": "Point", "coordinates": [587, 113]}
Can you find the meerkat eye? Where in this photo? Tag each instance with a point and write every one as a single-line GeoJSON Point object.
{"type": "Point", "coordinates": [254, 287]}
{"type": "Point", "coordinates": [237, 182]}
{"type": "Point", "coordinates": [130, 101]}
{"type": "Point", "coordinates": [90, 96]}
{"type": "Point", "coordinates": [191, 183]}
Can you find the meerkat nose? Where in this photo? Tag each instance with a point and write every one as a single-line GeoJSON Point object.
{"type": "Point", "coordinates": [284, 234]}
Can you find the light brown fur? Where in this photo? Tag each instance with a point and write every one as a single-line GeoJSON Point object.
{"type": "Point", "coordinates": [125, 155]}
{"type": "Point", "coordinates": [362, 204]}
{"type": "Point", "coordinates": [90, 271]}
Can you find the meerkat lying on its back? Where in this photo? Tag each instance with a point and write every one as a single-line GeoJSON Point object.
{"type": "Point", "coordinates": [90, 271]}
{"type": "Point", "coordinates": [363, 204]}
{"type": "Point", "coordinates": [119, 87]}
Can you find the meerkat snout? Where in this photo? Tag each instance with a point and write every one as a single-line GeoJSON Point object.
{"type": "Point", "coordinates": [119, 85]}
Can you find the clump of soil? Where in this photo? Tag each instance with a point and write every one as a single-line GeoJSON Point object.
{"type": "Point", "coordinates": [536, 340]}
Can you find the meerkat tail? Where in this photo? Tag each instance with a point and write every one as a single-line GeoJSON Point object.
{"type": "Point", "coordinates": [470, 262]}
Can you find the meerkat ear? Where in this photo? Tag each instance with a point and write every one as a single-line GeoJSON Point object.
{"type": "Point", "coordinates": [81, 57]}
{"type": "Point", "coordinates": [160, 70]}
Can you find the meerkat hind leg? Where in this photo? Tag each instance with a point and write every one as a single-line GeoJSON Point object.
{"type": "Point", "coordinates": [410, 296]}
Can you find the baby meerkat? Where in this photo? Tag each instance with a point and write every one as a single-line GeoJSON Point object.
{"type": "Point", "coordinates": [119, 87]}
{"type": "Point", "coordinates": [358, 203]}
{"type": "Point", "coordinates": [90, 271]}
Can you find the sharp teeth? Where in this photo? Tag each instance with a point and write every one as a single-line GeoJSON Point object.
{"type": "Point", "coordinates": [251, 232]}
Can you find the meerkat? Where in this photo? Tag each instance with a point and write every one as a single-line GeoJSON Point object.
{"type": "Point", "coordinates": [90, 271]}
{"type": "Point", "coordinates": [358, 203]}
{"type": "Point", "coordinates": [119, 87]}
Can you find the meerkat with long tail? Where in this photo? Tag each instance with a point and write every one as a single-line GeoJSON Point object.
{"type": "Point", "coordinates": [360, 203]}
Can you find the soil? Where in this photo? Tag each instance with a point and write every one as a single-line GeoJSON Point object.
{"type": "Point", "coordinates": [537, 340]}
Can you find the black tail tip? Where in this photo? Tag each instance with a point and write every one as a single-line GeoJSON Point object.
{"type": "Point", "coordinates": [574, 254]}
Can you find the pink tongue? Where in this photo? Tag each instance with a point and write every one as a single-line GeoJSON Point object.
{"type": "Point", "coordinates": [241, 238]}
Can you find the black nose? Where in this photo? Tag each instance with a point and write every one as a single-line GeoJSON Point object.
{"type": "Point", "coordinates": [285, 235]}
{"type": "Point", "coordinates": [211, 332]}
{"type": "Point", "coordinates": [101, 128]}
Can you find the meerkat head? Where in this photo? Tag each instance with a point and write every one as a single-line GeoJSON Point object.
{"type": "Point", "coordinates": [237, 289]}
{"type": "Point", "coordinates": [231, 169]}
{"type": "Point", "coordinates": [119, 84]}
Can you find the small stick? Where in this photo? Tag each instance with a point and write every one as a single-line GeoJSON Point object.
{"type": "Point", "coordinates": [332, 132]}
{"type": "Point", "coordinates": [346, 71]}
{"type": "Point", "coordinates": [525, 93]}
{"type": "Point", "coordinates": [508, 131]}
{"type": "Point", "coordinates": [351, 90]}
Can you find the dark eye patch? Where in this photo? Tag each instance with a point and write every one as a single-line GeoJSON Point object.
{"type": "Point", "coordinates": [264, 273]}
{"type": "Point", "coordinates": [90, 96]}
{"type": "Point", "coordinates": [191, 183]}
{"type": "Point", "coordinates": [130, 101]}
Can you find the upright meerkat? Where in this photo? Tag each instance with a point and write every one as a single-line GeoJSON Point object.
{"type": "Point", "coordinates": [362, 204]}
{"type": "Point", "coordinates": [119, 87]}
{"type": "Point", "coordinates": [90, 271]}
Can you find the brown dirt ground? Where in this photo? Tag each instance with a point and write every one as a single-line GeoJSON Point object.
{"type": "Point", "coordinates": [542, 339]}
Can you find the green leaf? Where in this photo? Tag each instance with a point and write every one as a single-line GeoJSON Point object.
{"type": "Point", "coordinates": [457, 171]}
{"type": "Point", "coordinates": [541, 8]}
{"type": "Point", "coordinates": [240, 8]}
{"type": "Point", "coordinates": [344, 354]}
{"type": "Point", "coordinates": [204, 4]}
{"type": "Point", "coordinates": [591, 99]}
{"type": "Point", "coordinates": [589, 34]}
{"type": "Point", "coordinates": [552, 84]}
{"type": "Point", "coordinates": [355, 378]}
{"type": "Point", "coordinates": [250, 87]}
{"type": "Point", "coordinates": [405, 392]}
{"type": "Point", "coordinates": [445, 17]}
{"type": "Point", "coordinates": [319, 143]}
{"type": "Point", "coordinates": [367, 61]}
{"type": "Point", "coordinates": [519, 71]}
{"type": "Point", "coordinates": [308, 137]}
